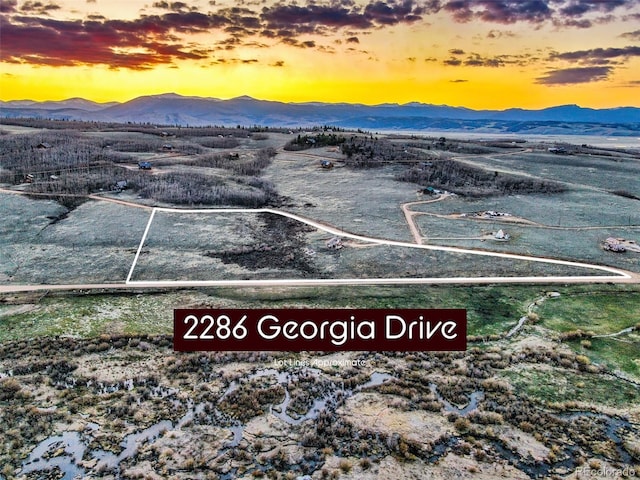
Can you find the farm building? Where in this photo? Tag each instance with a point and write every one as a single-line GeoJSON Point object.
{"type": "Point", "coordinates": [144, 165]}
{"type": "Point", "coordinates": [614, 245]}
{"type": "Point", "coordinates": [334, 243]}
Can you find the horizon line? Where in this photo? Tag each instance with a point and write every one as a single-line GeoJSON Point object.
{"type": "Point", "coordinates": [416, 102]}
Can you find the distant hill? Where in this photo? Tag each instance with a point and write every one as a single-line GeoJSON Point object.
{"type": "Point", "coordinates": [173, 109]}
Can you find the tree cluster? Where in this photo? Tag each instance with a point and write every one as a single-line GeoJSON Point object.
{"type": "Point", "coordinates": [370, 152]}
{"type": "Point", "coordinates": [468, 180]}
{"type": "Point", "coordinates": [305, 142]}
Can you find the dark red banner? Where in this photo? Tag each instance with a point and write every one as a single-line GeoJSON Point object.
{"type": "Point", "coordinates": [319, 330]}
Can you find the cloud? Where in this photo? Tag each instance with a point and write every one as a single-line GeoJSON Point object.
{"type": "Point", "coordinates": [353, 40]}
{"type": "Point", "coordinates": [569, 13]}
{"type": "Point", "coordinates": [635, 35]}
{"type": "Point", "coordinates": [8, 6]}
{"type": "Point", "coordinates": [138, 44]}
{"type": "Point", "coordinates": [39, 7]}
{"type": "Point", "coordinates": [321, 18]}
{"type": "Point", "coordinates": [597, 55]}
{"type": "Point", "coordinates": [569, 76]}
{"type": "Point", "coordinates": [581, 7]}
{"type": "Point", "coordinates": [458, 80]}
{"type": "Point", "coordinates": [505, 12]}
{"type": "Point", "coordinates": [174, 6]}
{"type": "Point", "coordinates": [476, 60]}
{"type": "Point", "coordinates": [452, 62]}
{"type": "Point", "coordinates": [500, 34]}
{"type": "Point", "coordinates": [279, 63]}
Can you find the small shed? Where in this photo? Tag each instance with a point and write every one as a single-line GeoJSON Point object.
{"type": "Point", "coordinates": [144, 165]}
{"type": "Point", "coordinates": [167, 147]}
{"type": "Point", "coordinates": [43, 145]}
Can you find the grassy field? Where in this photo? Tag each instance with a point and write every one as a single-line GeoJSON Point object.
{"type": "Point", "coordinates": [491, 310]}
{"type": "Point", "coordinates": [559, 386]}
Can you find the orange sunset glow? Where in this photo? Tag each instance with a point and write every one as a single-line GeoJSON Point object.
{"type": "Point", "coordinates": [478, 54]}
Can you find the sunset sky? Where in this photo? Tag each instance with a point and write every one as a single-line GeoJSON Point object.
{"type": "Point", "coordinates": [493, 54]}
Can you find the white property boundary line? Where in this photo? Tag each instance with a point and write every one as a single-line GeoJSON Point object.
{"type": "Point", "coordinates": [618, 274]}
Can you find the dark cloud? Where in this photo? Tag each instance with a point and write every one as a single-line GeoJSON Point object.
{"type": "Point", "coordinates": [632, 35]}
{"type": "Point", "coordinates": [580, 7]}
{"type": "Point", "coordinates": [458, 80]}
{"type": "Point", "coordinates": [8, 6]}
{"type": "Point", "coordinates": [500, 34]}
{"type": "Point", "coordinates": [353, 40]}
{"type": "Point", "coordinates": [506, 11]}
{"type": "Point", "coordinates": [324, 18]}
{"type": "Point", "coordinates": [39, 7]}
{"type": "Point", "coordinates": [174, 6]}
{"type": "Point", "coordinates": [598, 55]}
{"type": "Point", "coordinates": [569, 76]}
{"type": "Point", "coordinates": [572, 22]}
{"type": "Point", "coordinates": [116, 43]}
{"type": "Point", "coordinates": [476, 60]}
{"type": "Point", "coordinates": [568, 13]}
{"type": "Point", "coordinates": [279, 63]}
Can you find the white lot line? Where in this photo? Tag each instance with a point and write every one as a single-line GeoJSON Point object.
{"type": "Point", "coordinates": [618, 275]}
{"type": "Point", "coordinates": [144, 237]}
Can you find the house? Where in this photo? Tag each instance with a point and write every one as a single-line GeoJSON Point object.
{"type": "Point", "coordinates": [613, 245]}
{"type": "Point", "coordinates": [334, 243]}
{"type": "Point", "coordinates": [326, 164]}
{"type": "Point", "coordinates": [119, 186]}
{"type": "Point", "coordinates": [144, 165]}
{"type": "Point", "coordinates": [501, 235]}
{"type": "Point", "coordinates": [557, 150]}
{"type": "Point", "coordinates": [167, 147]}
{"type": "Point", "coordinates": [429, 191]}
{"type": "Point", "coordinates": [29, 178]}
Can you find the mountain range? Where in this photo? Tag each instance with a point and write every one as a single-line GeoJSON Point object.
{"type": "Point", "coordinates": [173, 109]}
